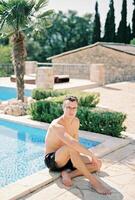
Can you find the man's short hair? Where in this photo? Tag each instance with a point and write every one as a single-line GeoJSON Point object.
{"type": "Point", "coordinates": [71, 98]}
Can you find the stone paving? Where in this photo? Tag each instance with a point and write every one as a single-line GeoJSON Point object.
{"type": "Point", "coordinates": [118, 170]}
{"type": "Point", "coordinates": [118, 173]}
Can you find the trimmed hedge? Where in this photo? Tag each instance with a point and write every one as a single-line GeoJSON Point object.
{"type": "Point", "coordinates": [94, 120]}
{"type": "Point", "coordinates": [40, 93]}
{"type": "Point", "coordinates": [88, 99]}
{"type": "Point", "coordinates": [101, 121]}
{"type": "Point", "coordinates": [45, 111]}
{"type": "Point", "coordinates": [85, 99]}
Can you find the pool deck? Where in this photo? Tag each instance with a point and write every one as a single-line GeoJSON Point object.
{"type": "Point", "coordinates": [118, 170]}
{"type": "Point", "coordinates": [73, 84]}
{"type": "Point", "coordinates": [29, 184]}
{"type": "Point", "coordinates": [118, 173]}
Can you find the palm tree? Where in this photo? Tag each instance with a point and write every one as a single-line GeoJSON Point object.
{"type": "Point", "coordinates": [17, 16]}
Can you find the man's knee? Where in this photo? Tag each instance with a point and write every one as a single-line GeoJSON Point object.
{"type": "Point", "coordinates": [62, 154]}
{"type": "Point", "coordinates": [73, 152]}
{"type": "Point", "coordinates": [99, 164]}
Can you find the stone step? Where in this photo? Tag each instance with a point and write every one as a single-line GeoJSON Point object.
{"type": "Point", "coordinates": [74, 84]}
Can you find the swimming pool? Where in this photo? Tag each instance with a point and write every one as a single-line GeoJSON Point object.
{"type": "Point", "coordinates": [22, 150]}
{"type": "Point", "coordinates": [9, 93]}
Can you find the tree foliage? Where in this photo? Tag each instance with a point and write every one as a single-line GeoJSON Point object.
{"type": "Point", "coordinates": [129, 34]}
{"type": "Point", "coordinates": [68, 31]}
{"type": "Point", "coordinates": [96, 26]}
{"type": "Point", "coordinates": [122, 29]}
{"type": "Point", "coordinates": [15, 17]}
{"type": "Point", "coordinates": [5, 54]}
{"type": "Point", "coordinates": [109, 29]}
{"type": "Point", "coordinates": [133, 21]}
{"type": "Point", "coordinates": [132, 41]}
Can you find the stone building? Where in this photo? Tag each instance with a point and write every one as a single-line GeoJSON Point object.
{"type": "Point", "coordinates": [112, 62]}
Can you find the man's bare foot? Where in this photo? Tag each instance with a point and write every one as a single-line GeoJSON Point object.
{"type": "Point", "coordinates": [66, 180]}
{"type": "Point", "coordinates": [101, 189]}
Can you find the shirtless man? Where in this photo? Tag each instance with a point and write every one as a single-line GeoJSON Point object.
{"type": "Point", "coordinates": [63, 151]}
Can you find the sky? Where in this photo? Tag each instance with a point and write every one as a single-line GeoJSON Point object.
{"type": "Point", "coordinates": [88, 6]}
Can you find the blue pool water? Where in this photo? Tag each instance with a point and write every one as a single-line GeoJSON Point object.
{"type": "Point", "coordinates": [9, 93]}
{"type": "Point", "coordinates": [22, 151]}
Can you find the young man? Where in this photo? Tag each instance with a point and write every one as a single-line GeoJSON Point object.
{"type": "Point", "coordinates": [63, 151]}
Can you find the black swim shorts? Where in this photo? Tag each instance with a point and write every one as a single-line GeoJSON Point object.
{"type": "Point", "coordinates": [52, 165]}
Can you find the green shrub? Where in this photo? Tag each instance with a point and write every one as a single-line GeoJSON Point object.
{"type": "Point", "coordinates": [91, 119]}
{"type": "Point", "coordinates": [5, 61]}
{"type": "Point", "coordinates": [6, 70]}
{"type": "Point", "coordinates": [58, 99]}
{"type": "Point", "coordinates": [132, 41]}
{"type": "Point", "coordinates": [45, 111]}
{"type": "Point", "coordinates": [101, 121]}
{"type": "Point", "coordinates": [40, 93]}
{"type": "Point", "coordinates": [88, 99]}
{"type": "Point", "coordinates": [85, 99]}
{"type": "Point", "coordinates": [5, 54]}
{"type": "Point", "coordinates": [3, 73]}
{"type": "Point", "coordinates": [94, 120]}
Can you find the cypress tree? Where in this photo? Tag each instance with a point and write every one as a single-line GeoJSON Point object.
{"type": "Point", "coordinates": [122, 29]}
{"type": "Point", "coordinates": [109, 31]}
{"type": "Point", "coordinates": [96, 26]}
{"type": "Point", "coordinates": [129, 34]}
{"type": "Point", "coordinates": [133, 21]}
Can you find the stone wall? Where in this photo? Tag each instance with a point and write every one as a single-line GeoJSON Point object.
{"type": "Point", "coordinates": [119, 66]}
{"type": "Point", "coordinates": [30, 67]}
{"type": "Point", "coordinates": [97, 73]}
{"type": "Point", "coordinates": [45, 78]}
{"type": "Point", "coordinates": [79, 71]}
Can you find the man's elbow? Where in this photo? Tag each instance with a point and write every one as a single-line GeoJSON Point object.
{"type": "Point", "coordinates": [73, 144]}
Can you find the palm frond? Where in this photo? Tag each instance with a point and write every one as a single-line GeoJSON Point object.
{"type": "Point", "coordinates": [41, 4]}
{"type": "Point", "coordinates": [45, 14]}
{"type": "Point", "coordinates": [21, 14]}
{"type": "Point", "coordinates": [2, 22]}
{"type": "Point", "coordinates": [6, 35]}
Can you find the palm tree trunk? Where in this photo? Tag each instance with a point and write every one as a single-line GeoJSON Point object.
{"type": "Point", "coordinates": [19, 54]}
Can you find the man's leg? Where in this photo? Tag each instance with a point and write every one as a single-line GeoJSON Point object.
{"type": "Point", "coordinates": [61, 157]}
{"type": "Point", "coordinates": [67, 176]}
{"type": "Point", "coordinates": [91, 166]}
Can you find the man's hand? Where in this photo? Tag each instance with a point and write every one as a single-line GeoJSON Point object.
{"type": "Point", "coordinates": [94, 159]}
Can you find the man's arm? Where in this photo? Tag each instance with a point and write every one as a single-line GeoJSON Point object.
{"type": "Point", "coordinates": [76, 135]}
{"type": "Point", "coordinates": [69, 140]}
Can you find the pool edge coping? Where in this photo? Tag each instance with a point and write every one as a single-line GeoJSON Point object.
{"type": "Point", "coordinates": [33, 182]}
